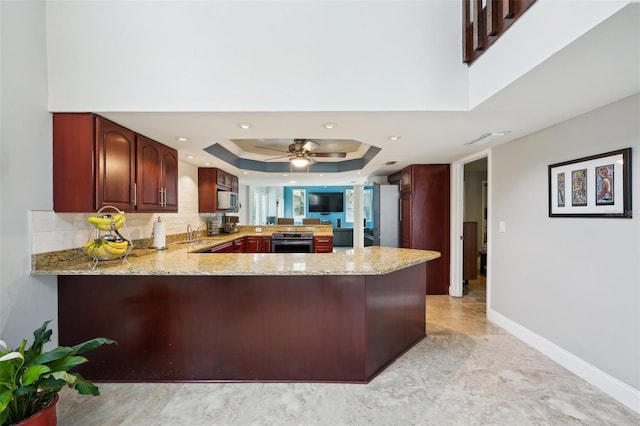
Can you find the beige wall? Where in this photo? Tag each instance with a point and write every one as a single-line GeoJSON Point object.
{"type": "Point", "coordinates": [574, 282]}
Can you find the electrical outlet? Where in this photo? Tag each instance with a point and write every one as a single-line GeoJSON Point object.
{"type": "Point", "coordinates": [503, 226]}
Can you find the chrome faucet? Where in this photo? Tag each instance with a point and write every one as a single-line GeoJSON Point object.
{"type": "Point", "coordinates": [197, 231]}
{"type": "Point", "coordinates": [193, 234]}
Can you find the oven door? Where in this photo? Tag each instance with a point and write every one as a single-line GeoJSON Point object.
{"type": "Point", "coordinates": [291, 246]}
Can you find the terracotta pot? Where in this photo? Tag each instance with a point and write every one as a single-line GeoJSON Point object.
{"type": "Point", "coordinates": [46, 417]}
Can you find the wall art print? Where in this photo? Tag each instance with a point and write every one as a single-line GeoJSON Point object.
{"type": "Point", "coordinates": [598, 186]}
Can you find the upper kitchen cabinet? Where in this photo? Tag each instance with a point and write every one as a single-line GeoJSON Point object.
{"type": "Point", "coordinates": [94, 165]}
{"type": "Point", "coordinates": [224, 180]}
{"type": "Point", "coordinates": [210, 181]}
{"type": "Point", "coordinates": [156, 176]}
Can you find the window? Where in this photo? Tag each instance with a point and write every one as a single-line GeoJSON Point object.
{"type": "Point", "coordinates": [299, 203]}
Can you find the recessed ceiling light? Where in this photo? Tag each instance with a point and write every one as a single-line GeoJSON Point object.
{"type": "Point", "coordinates": [207, 163]}
{"type": "Point", "coordinates": [394, 138]}
{"type": "Point", "coordinates": [358, 173]}
{"type": "Point", "coordinates": [181, 138]}
{"type": "Point", "coordinates": [190, 157]}
{"type": "Point", "coordinates": [292, 181]}
{"type": "Point", "coordinates": [245, 173]}
{"type": "Point", "coordinates": [329, 125]}
{"type": "Point", "coordinates": [285, 175]}
{"type": "Point", "coordinates": [244, 126]}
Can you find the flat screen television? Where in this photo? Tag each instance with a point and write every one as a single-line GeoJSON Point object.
{"type": "Point", "coordinates": [326, 202]}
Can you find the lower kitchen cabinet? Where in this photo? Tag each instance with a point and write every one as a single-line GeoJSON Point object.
{"type": "Point", "coordinates": [323, 244]}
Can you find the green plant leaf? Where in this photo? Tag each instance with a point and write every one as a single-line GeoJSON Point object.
{"type": "Point", "coordinates": [9, 368]}
{"type": "Point", "coordinates": [52, 383]}
{"type": "Point", "coordinates": [5, 398]}
{"type": "Point", "coordinates": [33, 373]}
{"type": "Point", "coordinates": [52, 355]}
{"type": "Point", "coordinates": [85, 387]}
{"type": "Point", "coordinates": [66, 363]}
{"type": "Point", "coordinates": [41, 336]}
{"type": "Point", "coordinates": [92, 344]}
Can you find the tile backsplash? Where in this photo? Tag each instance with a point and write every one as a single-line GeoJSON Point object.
{"type": "Point", "coordinates": [51, 231]}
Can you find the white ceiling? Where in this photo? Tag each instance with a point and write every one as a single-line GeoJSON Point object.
{"type": "Point", "coordinates": [599, 68]}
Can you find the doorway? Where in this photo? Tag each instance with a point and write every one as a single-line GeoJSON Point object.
{"type": "Point", "coordinates": [470, 225]}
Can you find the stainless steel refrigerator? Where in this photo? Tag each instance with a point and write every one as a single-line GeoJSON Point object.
{"type": "Point", "coordinates": [386, 215]}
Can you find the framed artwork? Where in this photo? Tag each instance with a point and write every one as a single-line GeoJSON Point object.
{"type": "Point", "coordinates": [595, 186]}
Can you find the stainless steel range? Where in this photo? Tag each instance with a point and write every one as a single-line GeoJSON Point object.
{"type": "Point", "coordinates": [292, 242]}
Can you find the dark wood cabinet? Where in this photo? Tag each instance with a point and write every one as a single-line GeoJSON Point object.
{"type": "Point", "coordinates": [323, 244]}
{"type": "Point", "coordinates": [265, 245]}
{"type": "Point", "coordinates": [405, 220]}
{"type": "Point", "coordinates": [156, 176]}
{"type": "Point", "coordinates": [424, 217]}
{"type": "Point", "coordinates": [210, 181]}
{"type": "Point", "coordinates": [238, 245]}
{"type": "Point", "coordinates": [252, 245]}
{"type": "Point", "coordinates": [257, 245]}
{"type": "Point", "coordinates": [469, 251]}
{"type": "Point", "coordinates": [95, 165]}
{"type": "Point", "coordinates": [224, 180]}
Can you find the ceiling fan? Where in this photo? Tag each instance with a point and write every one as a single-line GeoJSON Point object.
{"type": "Point", "coordinates": [302, 153]}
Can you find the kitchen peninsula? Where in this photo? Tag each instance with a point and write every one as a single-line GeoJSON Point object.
{"type": "Point", "coordinates": [180, 315]}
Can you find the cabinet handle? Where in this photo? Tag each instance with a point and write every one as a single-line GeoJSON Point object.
{"type": "Point", "coordinates": [135, 194]}
{"type": "Point", "coordinates": [163, 197]}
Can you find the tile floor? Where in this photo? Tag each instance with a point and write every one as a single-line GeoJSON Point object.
{"type": "Point", "coordinates": [466, 372]}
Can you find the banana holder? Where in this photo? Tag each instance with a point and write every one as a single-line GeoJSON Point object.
{"type": "Point", "coordinates": [108, 243]}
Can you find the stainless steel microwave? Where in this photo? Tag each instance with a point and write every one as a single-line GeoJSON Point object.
{"type": "Point", "coordinates": [227, 200]}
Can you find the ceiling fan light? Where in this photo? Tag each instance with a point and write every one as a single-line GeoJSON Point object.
{"type": "Point", "coordinates": [299, 161]}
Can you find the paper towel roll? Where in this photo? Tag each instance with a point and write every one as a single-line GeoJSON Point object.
{"type": "Point", "coordinates": [159, 235]}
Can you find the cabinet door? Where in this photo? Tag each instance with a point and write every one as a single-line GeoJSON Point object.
{"type": "Point", "coordinates": [405, 220]}
{"type": "Point", "coordinates": [207, 200]}
{"type": "Point", "coordinates": [323, 244]}
{"type": "Point", "coordinates": [115, 165]}
{"type": "Point", "coordinates": [405, 182]}
{"type": "Point", "coordinates": [265, 245]}
{"type": "Point", "coordinates": [149, 175]}
{"type": "Point", "coordinates": [238, 245]}
{"type": "Point", "coordinates": [169, 172]}
{"type": "Point", "coordinates": [252, 245]}
{"type": "Point", "coordinates": [156, 176]}
{"type": "Point", "coordinates": [73, 163]}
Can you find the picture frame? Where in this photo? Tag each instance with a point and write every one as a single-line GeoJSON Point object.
{"type": "Point", "coordinates": [594, 186]}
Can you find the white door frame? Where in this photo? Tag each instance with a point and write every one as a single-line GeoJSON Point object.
{"type": "Point", "coordinates": [457, 218]}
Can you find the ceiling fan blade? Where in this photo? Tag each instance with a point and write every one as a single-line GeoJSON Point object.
{"type": "Point", "coordinates": [328, 154]}
{"type": "Point", "coordinates": [271, 149]}
{"type": "Point", "coordinates": [310, 145]}
{"type": "Point", "coordinates": [277, 158]}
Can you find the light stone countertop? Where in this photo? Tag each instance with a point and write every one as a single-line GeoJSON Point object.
{"type": "Point", "coordinates": [180, 259]}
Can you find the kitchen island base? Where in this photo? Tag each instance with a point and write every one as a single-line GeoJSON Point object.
{"type": "Point", "coordinates": [291, 328]}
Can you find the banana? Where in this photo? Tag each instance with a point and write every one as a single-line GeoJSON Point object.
{"type": "Point", "coordinates": [119, 245]}
{"type": "Point", "coordinates": [107, 222]}
{"type": "Point", "coordinates": [104, 249]}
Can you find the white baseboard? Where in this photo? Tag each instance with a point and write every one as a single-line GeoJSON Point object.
{"type": "Point", "coordinates": [613, 387]}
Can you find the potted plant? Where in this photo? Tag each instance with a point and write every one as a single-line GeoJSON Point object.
{"type": "Point", "coordinates": [30, 379]}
